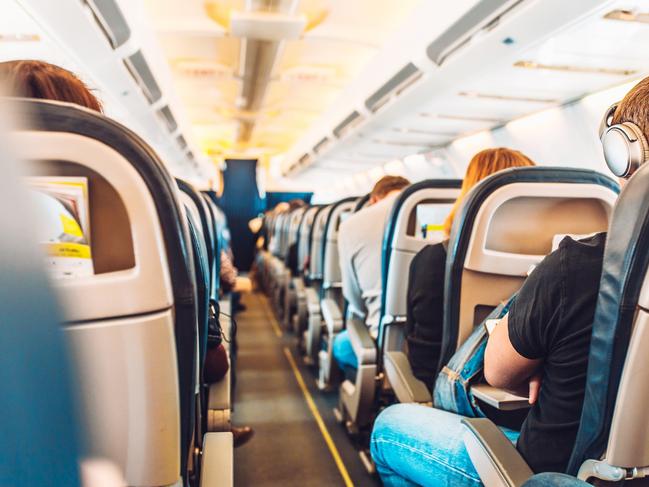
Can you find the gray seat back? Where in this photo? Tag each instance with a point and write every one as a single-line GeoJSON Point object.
{"type": "Point", "coordinates": [317, 242]}
{"type": "Point", "coordinates": [303, 236]}
{"type": "Point", "coordinates": [614, 417]}
{"type": "Point", "coordinates": [131, 327]}
{"type": "Point", "coordinates": [403, 239]}
{"type": "Point", "coordinates": [331, 276]}
{"type": "Point", "coordinates": [504, 227]}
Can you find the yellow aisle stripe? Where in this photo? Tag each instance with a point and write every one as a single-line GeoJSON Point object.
{"type": "Point", "coordinates": [318, 419]}
{"type": "Point", "coordinates": [273, 321]}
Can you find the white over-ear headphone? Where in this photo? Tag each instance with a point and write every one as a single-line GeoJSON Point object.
{"type": "Point", "coordinates": [625, 146]}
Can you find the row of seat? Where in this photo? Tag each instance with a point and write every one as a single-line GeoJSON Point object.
{"type": "Point", "coordinates": [504, 227]}
{"type": "Point", "coordinates": [137, 329]}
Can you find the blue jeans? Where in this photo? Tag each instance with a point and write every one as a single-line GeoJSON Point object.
{"type": "Point", "coordinates": [417, 445]}
{"type": "Point", "coordinates": [344, 353]}
{"type": "Point", "coordinates": [554, 480]}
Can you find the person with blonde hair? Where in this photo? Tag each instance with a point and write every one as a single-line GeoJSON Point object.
{"type": "Point", "coordinates": [425, 296]}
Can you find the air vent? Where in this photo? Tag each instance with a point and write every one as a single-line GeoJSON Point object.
{"type": "Point", "coordinates": [182, 142]}
{"type": "Point", "coordinates": [168, 118]}
{"type": "Point", "coordinates": [303, 161]}
{"type": "Point", "coordinates": [322, 145]}
{"type": "Point", "coordinates": [139, 69]}
{"type": "Point", "coordinates": [484, 16]}
{"type": "Point", "coordinates": [110, 19]}
{"type": "Point", "coordinates": [396, 85]}
{"type": "Point", "coordinates": [347, 125]}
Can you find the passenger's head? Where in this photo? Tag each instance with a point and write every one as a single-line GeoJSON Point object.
{"type": "Point", "coordinates": [38, 79]}
{"type": "Point", "coordinates": [634, 107]}
{"type": "Point", "coordinates": [484, 164]}
{"type": "Point", "coordinates": [385, 186]}
{"type": "Point", "coordinates": [296, 203]}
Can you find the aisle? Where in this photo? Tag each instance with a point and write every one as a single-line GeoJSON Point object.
{"type": "Point", "coordinates": [289, 449]}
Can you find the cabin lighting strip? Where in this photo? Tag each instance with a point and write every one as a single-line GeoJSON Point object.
{"type": "Point", "coordinates": [489, 96]}
{"type": "Point", "coordinates": [464, 118]}
{"type": "Point", "coordinates": [575, 69]}
{"type": "Point", "coordinates": [19, 37]}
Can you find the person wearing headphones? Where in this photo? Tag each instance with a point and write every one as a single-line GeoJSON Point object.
{"type": "Point", "coordinates": [541, 346]}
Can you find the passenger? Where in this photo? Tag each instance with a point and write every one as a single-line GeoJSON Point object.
{"type": "Point", "coordinates": [542, 346]}
{"type": "Point", "coordinates": [38, 79]}
{"type": "Point", "coordinates": [360, 245]}
{"type": "Point", "coordinates": [425, 298]}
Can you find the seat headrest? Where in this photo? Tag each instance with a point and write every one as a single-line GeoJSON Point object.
{"type": "Point", "coordinates": [50, 116]}
{"type": "Point", "coordinates": [626, 261]}
{"type": "Point", "coordinates": [391, 225]}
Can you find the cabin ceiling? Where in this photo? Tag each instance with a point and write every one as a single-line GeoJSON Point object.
{"type": "Point", "coordinates": [295, 80]}
{"type": "Point", "coordinates": [581, 47]}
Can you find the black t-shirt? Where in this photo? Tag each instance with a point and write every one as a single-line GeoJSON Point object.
{"type": "Point", "coordinates": [425, 312]}
{"type": "Point", "coordinates": [552, 320]}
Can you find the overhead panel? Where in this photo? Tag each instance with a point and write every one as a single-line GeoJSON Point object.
{"type": "Point", "coordinates": [396, 85]}
{"type": "Point", "coordinates": [348, 124]}
{"type": "Point", "coordinates": [143, 76]}
{"type": "Point", "coordinates": [483, 16]}
{"type": "Point", "coordinates": [111, 20]}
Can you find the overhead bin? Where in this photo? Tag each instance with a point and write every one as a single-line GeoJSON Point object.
{"type": "Point", "coordinates": [396, 85]}
{"type": "Point", "coordinates": [110, 19]}
{"type": "Point", "coordinates": [143, 76]}
{"type": "Point", "coordinates": [484, 16]}
{"type": "Point", "coordinates": [349, 123]}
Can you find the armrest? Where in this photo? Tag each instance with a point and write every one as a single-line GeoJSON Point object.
{"type": "Point", "coordinates": [217, 466]}
{"type": "Point", "coordinates": [219, 394]}
{"type": "Point", "coordinates": [312, 300]}
{"type": "Point", "coordinates": [362, 342]}
{"type": "Point", "coordinates": [332, 315]}
{"type": "Point", "coordinates": [494, 457]}
{"type": "Point", "coordinates": [298, 285]}
{"type": "Point", "coordinates": [406, 386]}
{"type": "Point", "coordinates": [499, 398]}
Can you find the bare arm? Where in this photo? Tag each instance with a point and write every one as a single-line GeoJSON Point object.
{"type": "Point", "coordinates": [505, 368]}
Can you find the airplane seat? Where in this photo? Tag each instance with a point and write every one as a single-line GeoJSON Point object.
{"type": "Point", "coordinates": [279, 269]}
{"type": "Point", "coordinates": [611, 443]}
{"type": "Point", "coordinates": [132, 325]}
{"type": "Point", "coordinates": [332, 302]}
{"type": "Point", "coordinates": [402, 240]}
{"type": "Point", "coordinates": [214, 399]}
{"type": "Point", "coordinates": [300, 282]}
{"type": "Point", "coordinates": [312, 293]}
{"type": "Point", "coordinates": [505, 226]}
{"type": "Point", "coordinates": [290, 260]}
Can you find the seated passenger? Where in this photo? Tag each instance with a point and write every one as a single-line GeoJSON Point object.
{"type": "Point", "coordinates": [425, 309]}
{"type": "Point", "coordinates": [542, 346]}
{"type": "Point", "coordinates": [360, 244]}
{"type": "Point", "coordinates": [38, 79]}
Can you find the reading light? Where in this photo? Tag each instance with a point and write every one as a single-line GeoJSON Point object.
{"type": "Point", "coordinates": [465, 118]}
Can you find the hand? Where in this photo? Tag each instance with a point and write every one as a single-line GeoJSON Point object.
{"type": "Point", "coordinates": [534, 387]}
